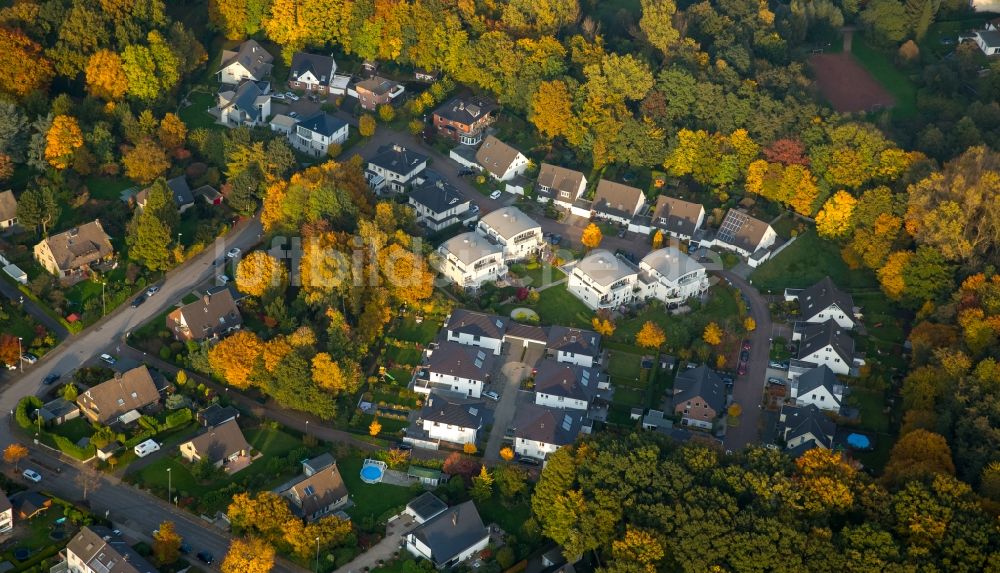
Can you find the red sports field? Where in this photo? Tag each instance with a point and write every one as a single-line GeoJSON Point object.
{"type": "Point", "coordinates": [848, 86]}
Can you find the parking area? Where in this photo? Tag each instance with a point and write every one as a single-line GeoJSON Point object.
{"type": "Point", "coordinates": [516, 365]}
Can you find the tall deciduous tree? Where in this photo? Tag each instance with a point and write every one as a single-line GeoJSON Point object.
{"type": "Point", "coordinates": [62, 140]}
{"type": "Point", "coordinates": [592, 236]}
{"type": "Point", "coordinates": [145, 162]}
{"type": "Point", "coordinates": [258, 272]}
{"type": "Point", "coordinates": [234, 357]}
{"type": "Point", "coordinates": [650, 336]}
{"type": "Point", "coordinates": [14, 453]}
{"type": "Point", "coordinates": [834, 219]}
{"type": "Point", "coordinates": [713, 334]}
{"type": "Point", "coordinates": [166, 544]}
{"type": "Point", "coordinates": [918, 455]}
{"type": "Point", "coordinates": [551, 111]}
{"type": "Point", "coordinates": [106, 77]}
{"type": "Point", "coordinates": [23, 66]}
{"type": "Point", "coordinates": [36, 207]}
{"type": "Point", "coordinates": [657, 24]}
{"type": "Point", "coordinates": [250, 555]}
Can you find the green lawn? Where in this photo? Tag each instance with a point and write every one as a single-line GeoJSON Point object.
{"type": "Point", "coordinates": [399, 355]}
{"type": "Point", "coordinates": [107, 188]}
{"type": "Point", "coordinates": [684, 329]}
{"type": "Point", "coordinates": [557, 305]}
{"type": "Point", "coordinates": [371, 501]}
{"type": "Point", "coordinates": [629, 396]}
{"type": "Point", "coordinates": [511, 518]}
{"type": "Point", "coordinates": [272, 442]}
{"type": "Point", "coordinates": [871, 406]}
{"type": "Point", "coordinates": [75, 430]}
{"type": "Point", "coordinates": [878, 457]}
{"type": "Point", "coordinates": [538, 274]}
{"type": "Point", "coordinates": [196, 114]}
{"type": "Point", "coordinates": [407, 329]}
{"type": "Point", "coordinates": [880, 65]}
{"type": "Point", "coordinates": [805, 262]}
{"type": "Point", "coordinates": [625, 366]}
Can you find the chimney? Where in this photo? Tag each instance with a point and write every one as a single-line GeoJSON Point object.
{"type": "Point", "coordinates": [461, 105]}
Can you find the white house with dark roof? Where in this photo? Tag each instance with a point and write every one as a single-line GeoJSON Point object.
{"type": "Point", "coordinates": [311, 72]}
{"type": "Point", "coordinates": [988, 41]}
{"type": "Point", "coordinates": [819, 387]}
{"type": "Point", "coordinates": [500, 160]}
{"type": "Point", "coordinates": [450, 537]}
{"type": "Point", "coordinates": [699, 397]}
{"type": "Point", "coordinates": [393, 168]}
{"type": "Point", "coordinates": [671, 276]}
{"type": "Point", "coordinates": [478, 329]}
{"type": "Point", "coordinates": [249, 62]}
{"type": "Point", "coordinates": [539, 431]}
{"type": "Point", "coordinates": [249, 104]}
{"type": "Point", "coordinates": [518, 234]}
{"type": "Point", "coordinates": [8, 209]}
{"type": "Point", "coordinates": [745, 235]}
{"type": "Point", "coordinates": [822, 344]}
{"type": "Point", "coordinates": [574, 346]}
{"type": "Point", "coordinates": [617, 202]}
{"type": "Point", "coordinates": [604, 280]}
{"type": "Point", "coordinates": [447, 417]}
{"type": "Point", "coordinates": [824, 301]}
{"type": "Point", "coordinates": [469, 260]}
{"type": "Point", "coordinates": [178, 187]}
{"type": "Point", "coordinates": [425, 507]}
{"type": "Point", "coordinates": [559, 185]}
{"type": "Point", "coordinates": [677, 218]}
{"type": "Point", "coordinates": [456, 368]}
{"type": "Point", "coordinates": [315, 134]}
{"type": "Point", "coordinates": [438, 204]}
{"type": "Point", "coordinates": [566, 386]}
{"type": "Point", "coordinates": [805, 427]}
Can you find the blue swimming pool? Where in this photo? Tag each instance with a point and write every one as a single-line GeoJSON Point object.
{"type": "Point", "coordinates": [859, 441]}
{"type": "Point", "coordinates": [371, 473]}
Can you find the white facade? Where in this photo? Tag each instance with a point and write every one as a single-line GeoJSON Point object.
{"type": "Point", "coordinates": [560, 402]}
{"type": "Point", "coordinates": [418, 549]}
{"type": "Point", "coordinates": [394, 180]}
{"type": "Point", "coordinates": [603, 280]}
{"type": "Point", "coordinates": [466, 386]}
{"type": "Point", "coordinates": [766, 240]}
{"type": "Point", "coordinates": [834, 312]}
{"type": "Point", "coordinates": [315, 143]}
{"type": "Point", "coordinates": [585, 360]}
{"type": "Point", "coordinates": [234, 115]}
{"type": "Point", "coordinates": [469, 260]}
{"type": "Point", "coordinates": [671, 276]}
{"type": "Point", "coordinates": [831, 358]}
{"type": "Point", "coordinates": [440, 220]}
{"type": "Point", "coordinates": [518, 235]}
{"type": "Point", "coordinates": [517, 167]}
{"type": "Point", "coordinates": [6, 518]}
{"type": "Point", "coordinates": [533, 449]}
{"type": "Point", "coordinates": [820, 397]}
{"type": "Point", "coordinates": [449, 433]}
{"type": "Point", "coordinates": [235, 73]}
{"type": "Point", "coordinates": [983, 40]}
{"type": "Point", "coordinates": [484, 342]}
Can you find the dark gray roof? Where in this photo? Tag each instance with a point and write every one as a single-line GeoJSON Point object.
{"type": "Point", "coordinates": [245, 98]}
{"type": "Point", "coordinates": [528, 332]}
{"type": "Point", "coordinates": [452, 532]}
{"type": "Point", "coordinates": [438, 196]}
{"type": "Point", "coordinates": [570, 381]}
{"type": "Point", "coordinates": [453, 410]}
{"type": "Point", "coordinates": [547, 425]}
{"type": "Point", "coordinates": [320, 66]}
{"type": "Point", "coordinates": [322, 123]}
{"type": "Point", "coordinates": [802, 420]}
{"type": "Point", "coordinates": [216, 414]}
{"type": "Point", "coordinates": [464, 321]}
{"type": "Point", "coordinates": [466, 110]}
{"type": "Point", "coordinates": [816, 377]}
{"type": "Point", "coordinates": [574, 340]}
{"type": "Point", "coordinates": [103, 551]}
{"type": "Point", "coordinates": [254, 58]}
{"type": "Point", "coordinates": [320, 462]}
{"type": "Point", "coordinates": [426, 506]}
{"type": "Point", "coordinates": [681, 216]}
{"type": "Point", "coordinates": [821, 295]}
{"type": "Point", "coordinates": [701, 382]}
{"type": "Point", "coordinates": [817, 336]}
{"type": "Point", "coordinates": [181, 190]}
{"type": "Point", "coordinates": [990, 37]}
{"type": "Point", "coordinates": [397, 159]}
{"type": "Point", "coordinates": [557, 178]}
{"type": "Point", "coordinates": [742, 230]}
{"type": "Point", "coordinates": [616, 198]}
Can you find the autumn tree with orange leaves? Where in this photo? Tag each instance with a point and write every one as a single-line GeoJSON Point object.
{"type": "Point", "coordinates": [258, 273]}
{"type": "Point", "coordinates": [233, 358]}
{"type": "Point", "coordinates": [106, 77]}
{"type": "Point", "coordinates": [62, 140]}
{"type": "Point", "coordinates": [23, 66]}
{"type": "Point", "coordinates": [145, 162]}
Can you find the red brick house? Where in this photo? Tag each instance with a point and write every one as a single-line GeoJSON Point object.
{"type": "Point", "coordinates": [463, 119]}
{"type": "Point", "coordinates": [376, 91]}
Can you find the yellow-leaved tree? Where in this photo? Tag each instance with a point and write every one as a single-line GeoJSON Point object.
{"type": "Point", "coordinates": [749, 324]}
{"type": "Point", "coordinates": [374, 428]}
{"type": "Point", "coordinates": [62, 140]}
{"type": "Point", "coordinates": [713, 334]}
{"type": "Point", "coordinates": [172, 132]}
{"type": "Point", "coordinates": [657, 239]}
{"type": "Point", "coordinates": [603, 326]}
{"type": "Point", "coordinates": [14, 453]}
{"type": "Point", "coordinates": [506, 453]}
{"type": "Point", "coordinates": [366, 125]}
{"type": "Point", "coordinates": [250, 555]}
{"type": "Point", "coordinates": [234, 357]}
{"type": "Point", "coordinates": [145, 162]}
{"type": "Point", "coordinates": [834, 219]}
{"type": "Point", "coordinates": [639, 546]}
{"type": "Point", "coordinates": [592, 236]}
{"type": "Point", "coordinates": [106, 77]}
{"type": "Point", "coordinates": [650, 336]}
{"type": "Point", "coordinates": [258, 272]}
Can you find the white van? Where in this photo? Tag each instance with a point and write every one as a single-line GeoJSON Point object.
{"type": "Point", "coordinates": [144, 449]}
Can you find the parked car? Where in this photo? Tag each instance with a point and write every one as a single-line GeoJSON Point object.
{"type": "Point", "coordinates": [291, 96]}
{"type": "Point", "coordinates": [278, 96]}
{"type": "Point", "coordinates": [742, 370]}
{"type": "Point", "coordinates": [185, 547]}
{"type": "Point", "coordinates": [776, 364]}
{"type": "Point", "coordinates": [32, 475]}
{"type": "Point", "coordinates": [744, 356]}
{"type": "Point", "coordinates": [152, 290]}
{"type": "Point", "coordinates": [50, 379]}
{"type": "Point", "coordinates": [495, 195]}
{"type": "Point", "coordinates": [29, 358]}
{"type": "Point", "coordinates": [145, 448]}
{"type": "Point", "coordinates": [778, 381]}
{"type": "Point", "coordinates": [206, 557]}
{"type": "Point", "coordinates": [528, 461]}
{"type": "Point", "coordinates": [474, 209]}
{"type": "Point", "coordinates": [293, 114]}
{"type": "Point", "coordinates": [108, 359]}
{"type": "Point", "coordinates": [232, 253]}
{"type": "Point", "coordinates": [404, 447]}
{"type": "Point", "coordinates": [492, 395]}
{"type": "Point", "coordinates": [222, 279]}
{"type": "Point", "coordinates": [138, 300]}
{"type": "Point", "coordinates": [555, 239]}
{"type": "Point", "coordinates": [746, 345]}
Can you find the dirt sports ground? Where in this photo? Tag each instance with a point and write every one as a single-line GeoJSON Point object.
{"type": "Point", "coordinates": [848, 86]}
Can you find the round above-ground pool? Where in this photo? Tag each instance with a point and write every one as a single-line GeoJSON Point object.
{"type": "Point", "coordinates": [859, 441]}
{"type": "Point", "coordinates": [372, 471]}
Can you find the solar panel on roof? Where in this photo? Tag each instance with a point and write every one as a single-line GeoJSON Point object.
{"type": "Point", "coordinates": [499, 323]}
{"type": "Point", "coordinates": [481, 355]}
{"type": "Point", "coordinates": [474, 411]}
{"type": "Point", "coordinates": [479, 363]}
{"type": "Point", "coordinates": [567, 422]}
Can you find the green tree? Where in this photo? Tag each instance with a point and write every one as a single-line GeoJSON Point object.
{"type": "Point", "coordinates": [887, 19]}
{"type": "Point", "coordinates": [657, 24]}
{"type": "Point", "coordinates": [36, 207]}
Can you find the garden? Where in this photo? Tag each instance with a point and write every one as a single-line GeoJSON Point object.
{"type": "Point", "coordinates": [36, 542]}
{"type": "Point", "coordinates": [805, 262]}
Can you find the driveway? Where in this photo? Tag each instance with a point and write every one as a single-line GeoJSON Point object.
{"type": "Point", "coordinates": [748, 390]}
{"type": "Point", "coordinates": [384, 550]}
{"type": "Point", "coordinates": [509, 377]}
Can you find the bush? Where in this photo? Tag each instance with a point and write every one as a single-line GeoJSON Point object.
{"type": "Point", "coordinates": [165, 352]}
{"type": "Point", "coordinates": [27, 404]}
{"type": "Point", "coordinates": [69, 448]}
{"type": "Point", "coordinates": [178, 418]}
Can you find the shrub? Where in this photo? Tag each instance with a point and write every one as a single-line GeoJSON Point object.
{"type": "Point", "coordinates": [26, 405]}
{"type": "Point", "coordinates": [69, 448]}
{"type": "Point", "coordinates": [178, 418]}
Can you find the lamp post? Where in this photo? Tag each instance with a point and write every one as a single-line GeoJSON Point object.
{"type": "Point", "coordinates": [169, 486]}
{"type": "Point", "coordinates": [317, 555]}
{"type": "Point", "coordinates": [104, 306]}
{"type": "Point", "coordinates": [179, 238]}
{"type": "Point", "coordinates": [20, 355]}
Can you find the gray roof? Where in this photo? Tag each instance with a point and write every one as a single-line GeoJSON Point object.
{"type": "Point", "coordinates": [214, 313]}
{"type": "Point", "coordinates": [821, 376]}
{"type": "Point", "coordinates": [509, 222]}
{"type": "Point", "coordinates": [671, 263]}
{"type": "Point", "coordinates": [426, 506]}
{"type": "Point", "coordinates": [617, 198]}
{"type": "Point", "coordinates": [8, 206]}
{"type": "Point", "coordinates": [181, 190]}
{"type": "Point", "coordinates": [319, 462]}
{"type": "Point", "coordinates": [320, 66]}
{"type": "Point", "coordinates": [470, 247]}
{"type": "Point", "coordinates": [466, 110]}
{"type": "Point", "coordinates": [454, 359]}
{"type": "Point", "coordinates": [103, 551]}
{"type": "Point", "coordinates": [377, 85]}
{"type": "Point", "coordinates": [802, 420]}
{"type": "Point", "coordinates": [742, 230]}
{"type": "Point", "coordinates": [817, 336]}
{"type": "Point", "coordinates": [566, 380]}
{"type": "Point", "coordinates": [437, 196]}
{"type": "Point", "coordinates": [220, 442]}
{"type": "Point", "coordinates": [454, 410]}
{"type": "Point", "coordinates": [547, 425]}
{"type": "Point", "coordinates": [323, 123]}
{"type": "Point", "coordinates": [990, 37]}
{"type": "Point", "coordinates": [397, 159]}
{"type": "Point", "coordinates": [605, 268]}
{"type": "Point", "coordinates": [477, 323]}
{"type": "Point", "coordinates": [821, 295]}
{"type": "Point", "coordinates": [130, 390]}
{"type": "Point", "coordinates": [252, 56]}
{"type": "Point", "coordinates": [216, 414]}
{"type": "Point", "coordinates": [558, 179]}
{"type": "Point", "coordinates": [496, 156]}
{"type": "Point", "coordinates": [701, 382]}
{"type": "Point", "coordinates": [452, 532]}
{"type": "Point", "coordinates": [681, 216]}
{"type": "Point", "coordinates": [574, 340]}
{"type": "Point", "coordinates": [528, 332]}
{"type": "Point", "coordinates": [245, 98]}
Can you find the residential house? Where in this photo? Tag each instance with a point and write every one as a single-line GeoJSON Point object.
{"type": "Point", "coordinates": [249, 62]}
{"type": "Point", "coordinates": [27, 504]}
{"type": "Point", "coordinates": [8, 210]}
{"type": "Point", "coordinates": [525, 335]}
{"type": "Point", "coordinates": [216, 415]}
{"type": "Point", "coordinates": [58, 411]}
{"type": "Point", "coordinates": [376, 91]}
{"type": "Point", "coordinates": [450, 537]}
{"type": "Point", "coordinates": [283, 124]}
{"type": "Point", "coordinates": [211, 317]}
{"type": "Point", "coordinates": [315, 134]}
{"type": "Point", "coordinates": [97, 549]}
{"type": "Point", "coordinates": [210, 195]}
{"type": "Point", "coordinates": [394, 166]}
{"type": "Point", "coordinates": [6, 513]}
{"type": "Point", "coordinates": [699, 397]}
{"type": "Point", "coordinates": [820, 344]}
{"type": "Point", "coordinates": [678, 218]}
{"type": "Point", "coordinates": [559, 185]}
{"type": "Point", "coordinates": [566, 386]}
{"type": "Point", "coordinates": [518, 234]}
{"type": "Point", "coordinates": [818, 386]}
{"type": "Point", "coordinates": [574, 345]}
{"type": "Point", "coordinates": [500, 160]}
{"type": "Point", "coordinates": [988, 41]}
{"type": "Point", "coordinates": [457, 368]}
{"type": "Point", "coordinates": [805, 427]}
{"type": "Point", "coordinates": [312, 72]}
{"type": "Point", "coordinates": [108, 402]}
{"type": "Point", "coordinates": [424, 75]}
{"type": "Point", "coordinates": [179, 188]}
{"type": "Point", "coordinates": [72, 252]}
{"type": "Point", "coordinates": [249, 104]}
{"type": "Point", "coordinates": [603, 280]}
{"type": "Point", "coordinates": [539, 431]}
{"type": "Point", "coordinates": [463, 119]}
{"type": "Point", "coordinates": [617, 202]}
{"type": "Point", "coordinates": [671, 276]}
{"type": "Point", "coordinates": [470, 260]}
{"type": "Point", "coordinates": [447, 417]}
{"type": "Point", "coordinates": [222, 445]}
{"type": "Point", "coordinates": [425, 507]}
{"type": "Point", "coordinates": [320, 491]}
{"type": "Point", "coordinates": [438, 204]}
{"type": "Point", "coordinates": [823, 301]}
{"type": "Point", "coordinates": [745, 235]}
{"type": "Point", "coordinates": [473, 328]}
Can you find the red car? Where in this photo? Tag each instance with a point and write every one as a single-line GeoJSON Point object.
{"type": "Point", "coordinates": [742, 370]}
{"type": "Point", "coordinates": [746, 345]}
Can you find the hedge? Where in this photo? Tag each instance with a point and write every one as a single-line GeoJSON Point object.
{"type": "Point", "coordinates": [21, 413]}
{"type": "Point", "coordinates": [178, 418]}
{"type": "Point", "coordinates": [139, 438]}
{"type": "Point", "coordinates": [69, 448]}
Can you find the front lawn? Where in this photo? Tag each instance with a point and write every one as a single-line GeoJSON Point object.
{"type": "Point", "coordinates": [625, 366]}
{"type": "Point", "coordinates": [537, 274]}
{"type": "Point", "coordinates": [407, 329]}
{"type": "Point", "coordinates": [371, 501]}
{"type": "Point", "coordinates": [196, 115]}
{"type": "Point", "coordinates": [511, 517]}
{"type": "Point", "coordinates": [75, 430]}
{"type": "Point", "coordinates": [805, 262]}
